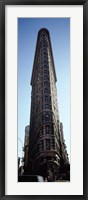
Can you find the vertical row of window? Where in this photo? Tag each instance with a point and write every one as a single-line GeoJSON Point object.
{"type": "Point", "coordinates": [45, 144]}
{"type": "Point", "coordinates": [46, 117]}
{"type": "Point", "coordinates": [41, 119]}
{"type": "Point", "coordinates": [43, 38]}
{"type": "Point", "coordinates": [43, 52]}
{"type": "Point", "coordinates": [49, 144]}
{"type": "Point", "coordinates": [46, 129]}
{"type": "Point", "coordinates": [45, 77]}
{"type": "Point", "coordinates": [53, 91]}
{"type": "Point", "coordinates": [46, 91]}
{"type": "Point", "coordinates": [46, 107]}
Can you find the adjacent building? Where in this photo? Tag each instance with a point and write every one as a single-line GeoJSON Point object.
{"type": "Point", "coordinates": [47, 150]}
{"type": "Point", "coordinates": [26, 146]}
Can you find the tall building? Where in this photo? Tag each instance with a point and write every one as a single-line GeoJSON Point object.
{"type": "Point", "coordinates": [45, 129]}
{"type": "Point", "coordinates": [26, 146]}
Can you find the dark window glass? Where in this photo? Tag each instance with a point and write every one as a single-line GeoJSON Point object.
{"type": "Point", "coordinates": [53, 144]}
{"type": "Point", "coordinates": [45, 84]}
{"type": "Point", "coordinates": [41, 78]}
{"type": "Point", "coordinates": [45, 77]}
{"type": "Point", "coordinates": [42, 118]}
{"type": "Point", "coordinates": [42, 145]}
{"type": "Point", "coordinates": [47, 144]}
{"type": "Point", "coordinates": [46, 117]}
{"type": "Point", "coordinates": [45, 90]}
{"type": "Point", "coordinates": [52, 128]}
{"type": "Point", "coordinates": [45, 71]}
{"type": "Point", "coordinates": [46, 106]}
{"type": "Point", "coordinates": [42, 98]}
{"type": "Point", "coordinates": [49, 91]}
{"type": "Point", "coordinates": [44, 52]}
{"type": "Point", "coordinates": [44, 48]}
{"type": "Point", "coordinates": [45, 66]}
{"type": "Point", "coordinates": [46, 98]}
{"type": "Point", "coordinates": [41, 73]}
{"type": "Point", "coordinates": [43, 129]}
{"type": "Point", "coordinates": [50, 98]}
{"type": "Point", "coordinates": [45, 62]}
{"type": "Point", "coordinates": [47, 129]}
{"type": "Point", "coordinates": [45, 57]}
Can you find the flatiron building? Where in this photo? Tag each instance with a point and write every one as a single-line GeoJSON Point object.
{"type": "Point", "coordinates": [47, 150]}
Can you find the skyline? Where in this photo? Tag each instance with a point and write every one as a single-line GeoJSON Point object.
{"type": "Point", "coordinates": [59, 29]}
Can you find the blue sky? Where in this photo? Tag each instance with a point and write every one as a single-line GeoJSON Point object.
{"type": "Point", "coordinates": [59, 29]}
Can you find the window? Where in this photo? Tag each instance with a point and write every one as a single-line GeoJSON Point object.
{"type": "Point", "coordinates": [46, 106]}
{"type": "Point", "coordinates": [41, 72]}
{"type": "Point", "coordinates": [45, 57]}
{"type": "Point", "coordinates": [45, 84]}
{"type": "Point", "coordinates": [45, 71]}
{"type": "Point", "coordinates": [44, 131]}
{"type": "Point", "coordinates": [42, 98]}
{"type": "Point", "coordinates": [43, 34]}
{"type": "Point", "coordinates": [45, 52]}
{"type": "Point", "coordinates": [52, 128]}
{"type": "Point", "coordinates": [42, 118]}
{"type": "Point", "coordinates": [46, 117]}
{"type": "Point", "coordinates": [44, 48]}
{"type": "Point", "coordinates": [41, 78]}
{"type": "Point", "coordinates": [42, 85]}
{"type": "Point", "coordinates": [43, 41]}
{"type": "Point", "coordinates": [45, 66]}
{"type": "Point", "coordinates": [47, 129]}
{"type": "Point", "coordinates": [53, 143]}
{"type": "Point", "coordinates": [49, 91]}
{"type": "Point", "coordinates": [46, 62]}
{"type": "Point", "coordinates": [42, 91]}
{"type": "Point", "coordinates": [45, 77]}
{"type": "Point", "coordinates": [45, 90]}
{"type": "Point", "coordinates": [47, 144]}
{"type": "Point", "coordinates": [46, 98]}
{"type": "Point", "coordinates": [50, 98]}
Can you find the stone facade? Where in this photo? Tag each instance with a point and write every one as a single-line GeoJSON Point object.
{"type": "Point", "coordinates": [45, 140]}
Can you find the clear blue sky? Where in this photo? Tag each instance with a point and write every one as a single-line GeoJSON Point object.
{"type": "Point", "coordinates": [59, 29]}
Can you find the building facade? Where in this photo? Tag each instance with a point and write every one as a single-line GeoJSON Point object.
{"type": "Point", "coordinates": [45, 135]}
{"type": "Point", "coordinates": [26, 146]}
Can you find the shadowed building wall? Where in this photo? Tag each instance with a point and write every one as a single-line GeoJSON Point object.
{"type": "Point", "coordinates": [45, 129]}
